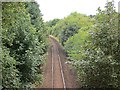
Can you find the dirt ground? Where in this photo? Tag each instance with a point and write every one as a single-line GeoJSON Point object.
{"type": "Point", "coordinates": [69, 73]}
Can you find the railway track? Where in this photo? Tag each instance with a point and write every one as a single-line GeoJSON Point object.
{"type": "Point", "coordinates": [56, 73]}
{"type": "Point", "coordinates": [56, 62]}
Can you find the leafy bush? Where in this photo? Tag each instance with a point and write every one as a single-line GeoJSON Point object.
{"type": "Point", "coordinates": [75, 44]}
{"type": "Point", "coordinates": [95, 51]}
{"type": "Point", "coordinates": [10, 75]}
{"type": "Point", "coordinates": [22, 44]}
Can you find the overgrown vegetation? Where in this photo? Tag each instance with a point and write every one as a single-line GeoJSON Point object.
{"type": "Point", "coordinates": [68, 26]}
{"type": "Point", "coordinates": [93, 46]}
{"type": "Point", "coordinates": [95, 51]}
{"type": "Point", "coordinates": [23, 44]}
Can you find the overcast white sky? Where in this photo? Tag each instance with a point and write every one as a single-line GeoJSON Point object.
{"type": "Point", "coordinates": [61, 8]}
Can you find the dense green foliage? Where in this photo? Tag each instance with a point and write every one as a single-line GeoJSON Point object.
{"type": "Point", "coordinates": [92, 44]}
{"type": "Point", "coordinates": [49, 26]}
{"type": "Point", "coordinates": [95, 51]}
{"type": "Point", "coordinates": [74, 45]}
{"type": "Point", "coordinates": [23, 47]}
{"type": "Point", "coordinates": [70, 25]}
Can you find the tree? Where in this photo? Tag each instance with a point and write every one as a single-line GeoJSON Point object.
{"type": "Point", "coordinates": [22, 44]}
{"type": "Point", "coordinates": [70, 25]}
{"type": "Point", "coordinates": [96, 56]}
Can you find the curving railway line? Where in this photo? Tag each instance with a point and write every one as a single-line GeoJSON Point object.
{"type": "Point", "coordinates": [57, 74]}
{"type": "Point", "coordinates": [57, 68]}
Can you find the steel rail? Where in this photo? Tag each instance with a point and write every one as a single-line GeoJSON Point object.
{"type": "Point", "coordinates": [62, 75]}
{"type": "Point", "coordinates": [52, 71]}
{"type": "Point", "coordinates": [61, 68]}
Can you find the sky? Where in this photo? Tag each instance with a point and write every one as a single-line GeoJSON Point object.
{"type": "Point", "coordinates": [52, 9]}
